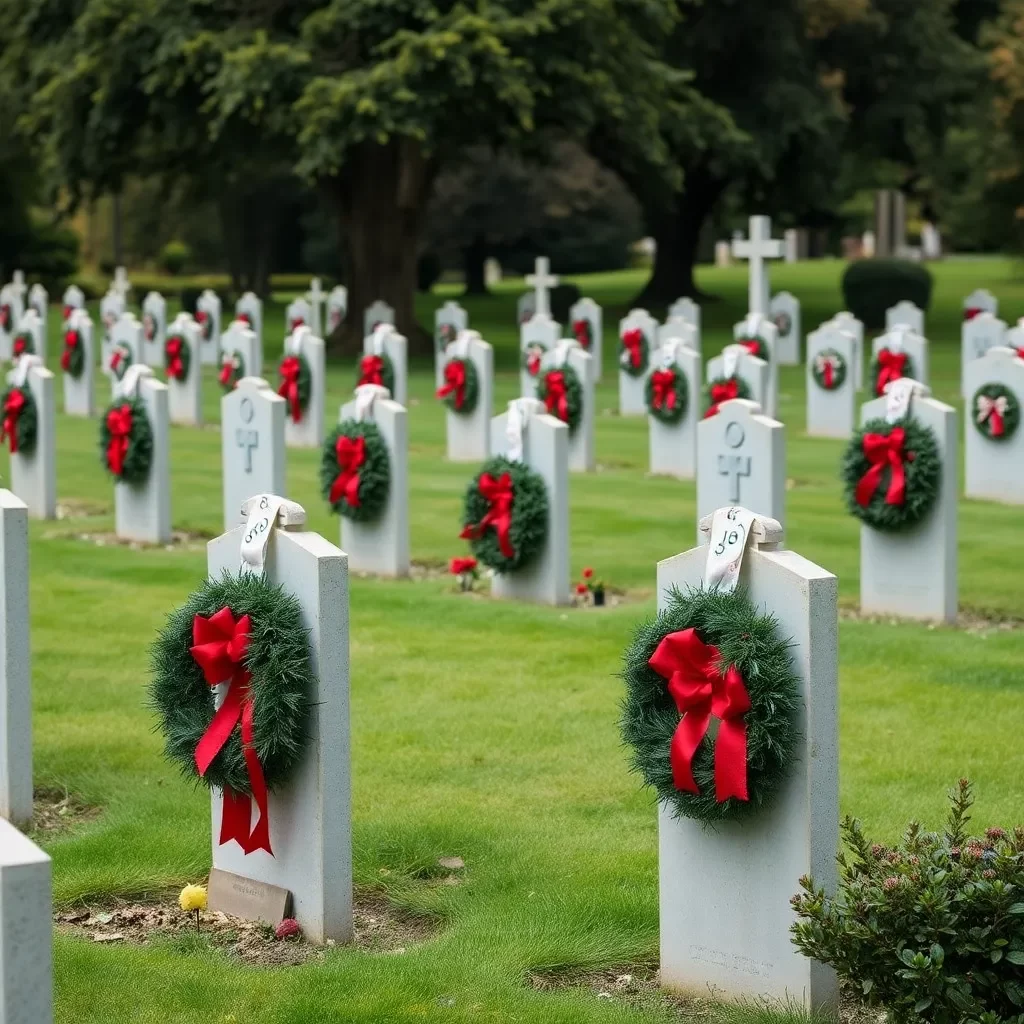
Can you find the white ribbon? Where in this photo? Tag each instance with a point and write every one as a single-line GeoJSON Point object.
{"type": "Point", "coordinates": [670, 349]}
{"type": "Point", "coordinates": [366, 395]}
{"type": "Point", "coordinates": [986, 406]}
{"type": "Point", "coordinates": [519, 412]}
{"type": "Point", "coordinates": [898, 395]}
{"type": "Point", "coordinates": [128, 386]}
{"type": "Point", "coordinates": [293, 343]}
{"type": "Point", "coordinates": [731, 359]}
{"type": "Point", "coordinates": [21, 368]}
{"type": "Point", "coordinates": [559, 355]}
{"type": "Point", "coordinates": [380, 332]}
{"type": "Point", "coordinates": [459, 348]}
{"type": "Point", "coordinates": [256, 533]}
{"type": "Point", "coordinates": [730, 528]}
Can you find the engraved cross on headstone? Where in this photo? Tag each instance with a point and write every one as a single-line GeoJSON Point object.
{"type": "Point", "coordinates": [734, 466]}
{"type": "Point", "coordinates": [541, 279]}
{"type": "Point", "coordinates": [244, 437]}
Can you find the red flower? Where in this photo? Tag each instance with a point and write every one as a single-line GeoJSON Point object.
{"type": "Point", "coordinates": [458, 566]}
{"type": "Point", "coordinates": [581, 588]}
{"type": "Point", "coordinates": [587, 573]}
{"type": "Point", "coordinates": [288, 928]}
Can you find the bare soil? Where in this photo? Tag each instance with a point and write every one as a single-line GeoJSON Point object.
{"type": "Point", "coordinates": [55, 810]}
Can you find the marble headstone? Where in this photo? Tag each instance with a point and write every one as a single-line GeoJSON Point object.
{"type": "Point", "coordinates": [378, 312]}
{"type": "Point", "coordinates": [977, 336]}
{"type": "Point", "coordinates": [154, 329]}
{"type": "Point", "coordinates": [673, 446]}
{"type": "Point", "coordinates": [688, 310]}
{"type": "Point", "coordinates": [308, 430]}
{"type": "Point", "coordinates": [34, 473]}
{"type": "Point", "coordinates": [831, 413]}
{"type": "Point", "coordinates": [298, 314]}
{"type": "Point", "coordinates": [316, 298]}
{"type": "Point", "coordinates": [469, 434]}
{"type": "Point", "coordinates": [631, 388]}
{"type": "Point", "coordinates": [209, 316]}
{"type": "Point", "coordinates": [337, 307]}
{"type": "Point", "coordinates": [568, 352]}
{"type": "Point", "coordinates": [904, 339]}
{"type": "Point", "coordinates": [244, 341]}
{"type": "Point", "coordinates": [905, 314]}
{"type": "Point", "coordinates": [12, 308]}
{"type": "Point", "coordinates": [249, 308]}
{"type": "Point", "coordinates": [736, 361]}
{"type": "Point", "coordinates": [32, 325]}
{"type": "Point", "coordinates": [981, 300]}
{"type": "Point", "coordinates": [676, 328]}
{"type": "Point", "coordinates": [79, 394]}
{"type": "Point", "coordinates": [185, 397]}
{"type": "Point", "coordinates": [385, 340]}
{"type": "Point", "coordinates": [993, 466]}
{"type": "Point", "coordinates": [586, 317]}
{"type": "Point", "coordinates": [848, 322]}
{"type": "Point", "coordinates": [449, 320]}
{"type": "Point", "coordinates": [537, 336]}
{"type": "Point", "coordinates": [757, 326]}
{"type": "Point", "coordinates": [784, 311]}
{"type": "Point", "coordinates": [73, 298]}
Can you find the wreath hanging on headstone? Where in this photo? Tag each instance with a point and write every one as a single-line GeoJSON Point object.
{"type": "Point", "coordinates": [232, 370]}
{"type": "Point", "coordinates": [828, 369]}
{"type": "Point", "coordinates": [634, 352]}
{"type": "Point", "coordinates": [723, 389]}
{"type": "Point", "coordinates": [461, 388]}
{"type": "Point", "coordinates": [126, 440]}
{"type": "Point", "coordinates": [24, 345]}
{"type": "Point", "coordinates": [995, 412]}
{"type": "Point", "coordinates": [72, 359]}
{"type": "Point", "coordinates": [583, 332]}
{"type": "Point", "coordinates": [533, 356]}
{"type": "Point", "coordinates": [376, 369]}
{"type": "Point", "coordinates": [245, 632]}
{"type": "Point", "coordinates": [445, 335]}
{"type": "Point", "coordinates": [296, 384]}
{"type": "Point", "coordinates": [891, 473]}
{"type": "Point", "coordinates": [667, 393]}
{"type": "Point", "coordinates": [756, 346]}
{"type": "Point", "coordinates": [889, 365]}
{"type": "Point", "coordinates": [783, 323]}
{"type": "Point", "coordinates": [177, 357]}
{"type": "Point", "coordinates": [355, 471]}
{"type": "Point", "coordinates": [149, 326]}
{"type": "Point", "coordinates": [205, 322]}
{"type": "Point", "coordinates": [505, 515]}
{"type": "Point", "coordinates": [709, 655]}
{"type": "Point", "coordinates": [560, 390]}
{"type": "Point", "coordinates": [6, 317]}
{"type": "Point", "coordinates": [20, 424]}
{"type": "Point", "coordinates": [120, 359]}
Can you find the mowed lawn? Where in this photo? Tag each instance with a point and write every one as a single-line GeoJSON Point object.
{"type": "Point", "coordinates": [484, 730]}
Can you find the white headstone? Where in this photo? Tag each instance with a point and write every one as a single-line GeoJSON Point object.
{"type": "Point", "coordinates": [15, 665]}
{"type": "Point", "coordinates": [536, 336]}
{"type": "Point", "coordinates": [39, 300]}
{"type": "Point", "coordinates": [142, 511]}
{"type": "Point", "coordinates": [154, 329]}
{"type": "Point", "coordinates": [34, 473]}
{"type": "Point", "coordinates": [492, 272]}
{"type": "Point", "coordinates": [977, 336]}
{"type": "Point", "coordinates": [469, 434]}
{"type": "Point", "coordinates": [981, 300]}
{"type": "Point", "coordinates": [121, 284]}
{"type": "Point", "coordinates": [249, 308]}
{"type": "Point", "coordinates": [243, 341]}
{"type": "Point", "coordinates": [724, 907]}
{"type": "Point", "coordinates": [791, 241]}
{"type": "Point", "coordinates": [541, 281]}
{"type": "Point", "coordinates": [185, 397]}
{"type": "Point", "coordinates": [316, 298]}
{"type": "Point", "coordinates": [311, 816]}
{"type": "Point", "coordinates": [754, 325]}
{"type": "Point", "coordinates": [298, 314]}
{"type": "Point", "coordinates": [586, 321]}
{"type": "Point", "coordinates": [125, 348]}
{"type": "Point", "coordinates": [675, 328]}
{"type": "Point", "coordinates": [208, 316]}
{"type": "Point", "coordinates": [545, 449]}
{"type": "Point", "coordinates": [251, 444]}
{"type": "Point", "coordinates": [526, 307]}
{"type": "Point", "coordinates": [631, 388]}
{"type": "Point", "coordinates": [723, 253]}
{"type": "Point", "coordinates": [12, 308]}
{"type": "Point", "coordinates": [673, 446]}
{"type": "Point", "coordinates": [846, 321]}
{"type": "Point", "coordinates": [385, 340]}
{"type": "Point", "coordinates": [26, 930]}
{"type": "Point", "coordinates": [904, 339]}
{"type": "Point", "coordinates": [905, 314]}
{"type": "Point", "coordinates": [112, 308]}
{"type": "Point", "coordinates": [760, 246]}
{"type": "Point", "coordinates": [1015, 336]}
{"type": "Point", "coordinates": [784, 310]}
{"type": "Point", "coordinates": [78, 391]}
{"type": "Point", "coordinates": [741, 460]}
{"type": "Point", "coordinates": [337, 307]}
{"type": "Point", "coordinates": [568, 352]}
{"type": "Point", "coordinates": [308, 430]}
{"type": "Point", "coordinates": [913, 573]}
{"type": "Point", "coordinates": [688, 310]}
{"type": "Point", "coordinates": [378, 312]}
{"type": "Point", "coordinates": [993, 465]}
{"type": "Point", "coordinates": [74, 298]}
{"type": "Point", "coordinates": [449, 320]}
{"type": "Point", "coordinates": [32, 325]}
{"type": "Point", "coordinates": [382, 545]}
{"type": "Point", "coordinates": [736, 361]}
{"type": "Point", "coordinates": [831, 412]}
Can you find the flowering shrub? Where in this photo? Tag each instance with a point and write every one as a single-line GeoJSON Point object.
{"type": "Point", "coordinates": [932, 928]}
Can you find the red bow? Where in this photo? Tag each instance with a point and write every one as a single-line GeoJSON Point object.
{"type": "Point", "coordinates": [172, 352]}
{"type": "Point", "coordinates": [890, 367]}
{"type": "Point", "coordinates": [581, 328]}
{"type": "Point", "coordinates": [13, 405]}
{"type": "Point", "coordinates": [226, 369]}
{"type": "Point", "coordinates": [115, 359]}
{"type": "Point", "coordinates": [219, 646]}
{"type": "Point", "coordinates": [663, 389]}
{"type": "Point", "coordinates": [454, 382]}
{"type": "Point", "coordinates": [119, 426]}
{"type": "Point", "coordinates": [701, 690]}
{"type": "Point", "coordinates": [5, 317]}
{"type": "Point", "coordinates": [722, 393]}
{"type": "Point", "coordinates": [371, 370]}
{"type": "Point", "coordinates": [556, 398]}
{"type": "Point", "coordinates": [71, 341]}
{"type": "Point", "coordinates": [971, 312]}
{"type": "Point", "coordinates": [350, 453]}
{"type": "Point", "coordinates": [883, 450]}
{"type": "Point", "coordinates": [533, 361]}
{"type": "Point", "coordinates": [752, 345]}
{"type": "Point", "coordinates": [297, 322]}
{"type": "Point", "coordinates": [828, 372]}
{"type": "Point", "coordinates": [457, 566]}
{"type": "Point", "coordinates": [632, 342]}
{"type": "Point", "coordinates": [20, 346]}
{"type": "Point", "coordinates": [498, 493]}
{"type": "Point", "coordinates": [68, 310]}
{"type": "Point", "coordinates": [289, 389]}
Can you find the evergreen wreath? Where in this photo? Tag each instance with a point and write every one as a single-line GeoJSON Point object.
{"type": "Point", "coordinates": [455, 370]}
{"type": "Point", "coordinates": [148, 326]}
{"type": "Point", "coordinates": [126, 440]}
{"type": "Point", "coordinates": [20, 423]}
{"type": "Point", "coordinates": [355, 471]}
{"type": "Point", "coordinates": [667, 393]}
{"type": "Point", "coordinates": [884, 356]}
{"type": "Point", "coordinates": [376, 369]}
{"type": "Point", "coordinates": [746, 640]}
{"type": "Point", "coordinates": [177, 356]}
{"type": "Point", "coordinates": [6, 317]}
{"type": "Point", "coordinates": [636, 338]}
{"type": "Point", "coordinates": [445, 335]}
{"type": "Point", "coordinates": [755, 345]}
{"type": "Point", "coordinates": [828, 369]}
{"type": "Point", "coordinates": [205, 321]}
{"type": "Point", "coordinates": [891, 473]}
{"type": "Point", "coordinates": [120, 360]}
{"type": "Point", "coordinates": [583, 332]}
{"type": "Point", "coordinates": [560, 390]}
{"type": "Point", "coordinates": [280, 685]}
{"type": "Point", "coordinates": [296, 384]}
{"type": "Point", "coordinates": [505, 515]}
{"type": "Point", "coordinates": [995, 412]}
{"type": "Point", "coordinates": [232, 370]}
{"type": "Point", "coordinates": [721, 389]}
{"type": "Point", "coordinates": [24, 345]}
{"type": "Point", "coordinates": [532, 356]}
{"type": "Point", "coordinates": [72, 359]}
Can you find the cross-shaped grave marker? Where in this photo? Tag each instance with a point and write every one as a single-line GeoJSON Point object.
{"type": "Point", "coordinates": [541, 280]}
{"type": "Point", "coordinates": [760, 246]}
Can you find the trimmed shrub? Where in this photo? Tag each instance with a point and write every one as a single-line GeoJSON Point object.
{"type": "Point", "coordinates": [870, 287]}
{"type": "Point", "coordinates": [174, 257]}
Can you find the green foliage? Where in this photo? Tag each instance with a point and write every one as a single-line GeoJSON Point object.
{"type": "Point", "coordinates": [374, 474]}
{"type": "Point", "coordinates": [233, 364]}
{"type": "Point", "coordinates": [26, 429]}
{"type": "Point", "coordinates": [932, 929]}
{"type": "Point", "coordinates": [870, 287]}
{"type": "Point", "coordinates": [282, 683]}
{"type": "Point", "coordinates": [74, 363]}
{"type": "Point", "coordinates": [529, 528]}
{"type": "Point", "coordinates": [139, 456]}
{"type": "Point", "coordinates": [50, 255]}
{"type": "Point", "coordinates": [573, 395]}
{"type": "Point", "coordinates": [366, 374]}
{"type": "Point", "coordinates": [750, 641]}
{"type": "Point", "coordinates": [742, 390]}
{"type": "Point", "coordinates": [922, 465]}
{"type": "Point", "coordinates": [174, 257]}
{"type": "Point", "coordinates": [680, 389]}
{"type": "Point", "coordinates": [839, 368]}
{"type": "Point", "coordinates": [303, 385]}
{"type": "Point", "coordinates": [1010, 415]}
{"type": "Point", "coordinates": [470, 389]}
{"type": "Point", "coordinates": [756, 346]}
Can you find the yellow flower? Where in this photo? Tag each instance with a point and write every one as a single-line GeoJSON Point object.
{"type": "Point", "coordinates": [193, 897]}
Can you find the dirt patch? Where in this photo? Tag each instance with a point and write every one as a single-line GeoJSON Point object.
{"type": "Point", "coordinates": [379, 926]}
{"type": "Point", "coordinates": [967, 620]}
{"type": "Point", "coordinates": [181, 540]}
{"type": "Point", "coordinates": [74, 508]}
{"type": "Point", "coordinates": [55, 810]}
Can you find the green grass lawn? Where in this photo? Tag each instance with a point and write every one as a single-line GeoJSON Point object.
{"type": "Point", "coordinates": [485, 730]}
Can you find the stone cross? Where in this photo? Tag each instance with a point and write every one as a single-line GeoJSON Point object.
{"type": "Point", "coordinates": [311, 817]}
{"type": "Point", "coordinates": [469, 434]}
{"type": "Point", "coordinates": [121, 284]}
{"type": "Point", "coordinates": [541, 280]}
{"type": "Point", "coordinates": [185, 397]}
{"type": "Point", "coordinates": [79, 392]}
{"type": "Point", "coordinates": [589, 311]}
{"type": "Point", "coordinates": [831, 413]}
{"type": "Point", "coordinates": [760, 246]}
{"type": "Point", "coordinates": [309, 431]}
{"type": "Point", "coordinates": [673, 446]}
{"type": "Point", "coordinates": [385, 340]}
{"type": "Point", "coordinates": [317, 297]}
{"type": "Point", "coordinates": [631, 389]}
{"type": "Point", "coordinates": [34, 474]}
{"type": "Point", "coordinates": [993, 467]}
{"type": "Point", "coordinates": [724, 915]}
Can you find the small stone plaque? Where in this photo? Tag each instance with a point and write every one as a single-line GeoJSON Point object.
{"type": "Point", "coordinates": [246, 898]}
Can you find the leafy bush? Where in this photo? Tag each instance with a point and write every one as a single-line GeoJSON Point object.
{"type": "Point", "coordinates": [870, 287]}
{"type": "Point", "coordinates": [933, 928]}
{"type": "Point", "coordinates": [174, 257]}
{"type": "Point", "coordinates": [563, 298]}
{"type": "Point", "coordinates": [51, 255]}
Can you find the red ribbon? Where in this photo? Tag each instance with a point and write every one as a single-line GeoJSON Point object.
{"type": "Point", "coordinates": [883, 450]}
{"type": "Point", "coordinates": [890, 367]}
{"type": "Point", "coordinates": [663, 389]}
{"type": "Point", "coordinates": [581, 328]}
{"type": "Point", "coordinates": [119, 426]}
{"type": "Point", "coordinates": [219, 646]}
{"type": "Point", "coordinates": [371, 370]}
{"type": "Point", "coordinates": [115, 359]}
{"type": "Point", "coordinates": [722, 393]}
{"type": "Point", "coordinates": [68, 310]}
{"type": "Point", "coordinates": [289, 389]}
{"type": "Point", "coordinates": [971, 312]}
{"type": "Point", "coordinates": [19, 347]}
{"type": "Point", "coordinates": [226, 369]}
{"type": "Point", "coordinates": [245, 319]}
{"type": "Point", "coordinates": [172, 351]}
{"type": "Point", "coordinates": [632, 342]}
{"type": "Point", "coordinates": [498, 492]}
{"type": "Point", "coordinates": [5, 317]}
{"type": "Point", "coordinates": [828, 373]}
{"type": "Point", "coordinates": [533, 361]}
{"type": "Point", "coordinates": [203, 319]}
{"type": "Point", "coordinates": [556, 398]}
{"type": "Point", "coordinates": [701, 691]}
{"type": "Point", "coordinates": [12, 410]}
{"type": "Point", "coordinates": [350, 453]}
{"type": "Point", "coordinates": [752, 345]}
{"type": "Point", "coordinates": [454, 382]}
{"type": "Point", "coordinates": [71, 342]}
{"type": "Point", "coordinates": [297, 322]}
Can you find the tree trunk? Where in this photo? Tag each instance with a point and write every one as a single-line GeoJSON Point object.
{"type": "Point", "coordinates": [381, 193]}
{"type": "Point", "coordinates": [474, 260]}
{"type": "Point", "coordinates": [230, 232]}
